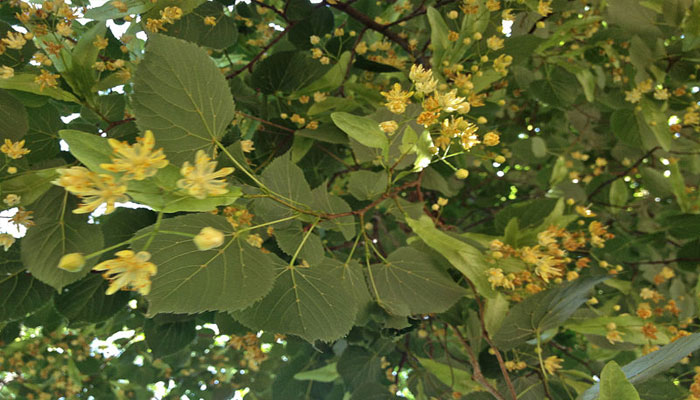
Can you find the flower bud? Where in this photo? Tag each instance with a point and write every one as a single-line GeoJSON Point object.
{"type": "Point", "coordinates": [208, 238]}
{"type": "Point", "coordinates": [72, 262]}
{"type": "Point", "coordinates": [461, 173]}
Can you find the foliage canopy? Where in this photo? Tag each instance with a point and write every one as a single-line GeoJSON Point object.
{"type": "Point", "coordinates": [349, 200]}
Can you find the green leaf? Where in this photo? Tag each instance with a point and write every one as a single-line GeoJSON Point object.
{"type": "Point", "coordinates": [318, 23]}
{"type": "Point", "coordinates": [13, 118]}
{"type": "Point", "coordinates": [58, 232]}
{"type": "Point", "coordinates": [438, 35]}
{"type": "Point", "coordinates": [422, 150]}
{"type": "Point", "coordinates": [652, 119]}
{"type": "Point", "coordinates": [359, 366]}
{"type": "Point", "coordinates": [192, 28]}
{"type": "Point", "coordinates": [299, 70]}
{"type": "Point", "coordinates": [367, 185]}
{"type": "Point", "coordinates": [20, 292]}
{"type": "Point", "coordinates": [466, 259]}
{"type": "Point", "coordinates": [180, 94]}
{"type": "Point", "coordinates": [433, 180]}
{"type": "Point", "coordinates": [29, 185]}
{"type": "Point", "coordinates": [108, 11]}
{"type": "Point", "coordinates": [327, 373]}
{"type": "Point", "coordinates": [451, 375]}
{"type": "Point", "coordinates": [495, 312]}
{"type": "Point", "coordinates": [363, 129]}
{"type": "Point", "coordinates": [25, 82]}
{"type": "Point", "coordinates": [167, 337]}
{"type": "Point", "coordinates": [618, 195]}
{"type": "Point", "coordinates": [539, 147]}
{"type": "Point", "coordinates": [86, 300]}
{"type": "Point", "coordinates": [331, 80]}
{"type": "Point", "coordinates": [79, 73]}
{"type": "Point", "coordinates": [230, 277]}
{"type": "Point", "coordinates": [316, 303]}
{"type": "Point", "coordinates": [689, 251]}
{"type": "Point", "coordinates": [542, 311]}
{"type": "Point", "coordinates": [653, 363]}
{"type": "Point", "coordinates": [409, 283]}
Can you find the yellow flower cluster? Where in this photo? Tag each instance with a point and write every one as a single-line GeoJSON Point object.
{"type": "Point", "coordinates": [92, 188]}
{"type": "Point", "coordinates": [546, 261]}
{"type": "Point", "coordinates": [168, 15]}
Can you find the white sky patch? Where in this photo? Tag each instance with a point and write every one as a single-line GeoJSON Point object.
{"type": "Point", "coordinates": [68, 118]}
{"type": "Point", "coordinates": [507, 25]}
{"type": "Point", "coordinates": [100, 211]}
{"type": "Point", "coordinates": [17, 231]}
{"type": "Point", "coordinates": [117, 30]}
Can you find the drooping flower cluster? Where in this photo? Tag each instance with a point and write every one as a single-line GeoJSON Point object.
{"type": "Point", "coordinates": [129, 270]}
{"type": "Point", "coordinates": [546, 261]}
{"type": "Point", "coordinates": [92, 188]}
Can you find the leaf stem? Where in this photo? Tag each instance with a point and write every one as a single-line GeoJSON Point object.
{"type": "Point", "coordinates": [303, 241]}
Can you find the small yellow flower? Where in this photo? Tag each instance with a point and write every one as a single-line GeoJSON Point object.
{"type": "Point", "coordinates": [325, 60]}
{"type": "Point", "coordinates": [552, 363]}
{"type": "Point", "coordinates": [171, 14]}
{"type": "Point", "coordinates": [319, 97]}
{"type": "Point", "coordinates": [64, 29]}
{"type": "Point", "coordinates": [128, 271]}
{"type": "Point", "coordinates": [397, 99]}
{"type": "Point", "coordinates": [12, 199]}
{"type": "Point", "coordinates": [200, 180]}
{"type": "Point", "coordinates": [23, 217]}
{"type": "Point", "coordinates": [209, 238]}
{"type": "Point", "coordinates": [544, 8]}
{"type": "Point", "coordinates": [120, 5]}
{"type": "Point", "coordinates": [494, 43]}
{"type": "Point", "coordinates": [314, 40]}
{"type": "Point", "coordinates": [139, 161]}
{"type": "Point", "coordinates": [155, 25]}
{"type": "Point", "coordinates": [100, 42]}
{"type": "Point", "coordinates": [389, 126]}
{"type": "Point", "coordinates": [254, 240]}
{"type": "Point", "coordinates": [14, 40]}
{"type": "Point", "coordinates": [46, 79]}
{"type": "Point", "coordinates": [316, 53]}
{"type": "Point", "coordinates": [14, 150]}
{"type": "Point", "coordinates": [452, 36]}
{"type": "Point", "coordinates": [453, 14]}
{"type": "Point", "coordinates": [339, 32]}
{"type": "Point", "coordinates": [461, 173]}
{"type": "Point", "coordinates": [93, 189]}
{"type": "Point", "coordinates": [11, 170]}
{"type": "Point", "coordinates": [6, 240]}
{"type": "Point", "coordinates": [210, 20]}
{"type": "Point", "coordinates": [247, 145]}
{"type": "Point", "coordinates": [491, 139]}
{"type": "Point", "coordinates": [6, 72]}
{"type": "Point", "coordinates": [72, 262]}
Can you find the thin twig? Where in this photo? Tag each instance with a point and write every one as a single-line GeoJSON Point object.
{"type": "Point", "coordinates": [625, 172]}
{"type": "Point", "coordinates": [261, 53]}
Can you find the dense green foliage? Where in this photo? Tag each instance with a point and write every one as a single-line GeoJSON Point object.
{"type": "Point", "coordinates": [358, 199]}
